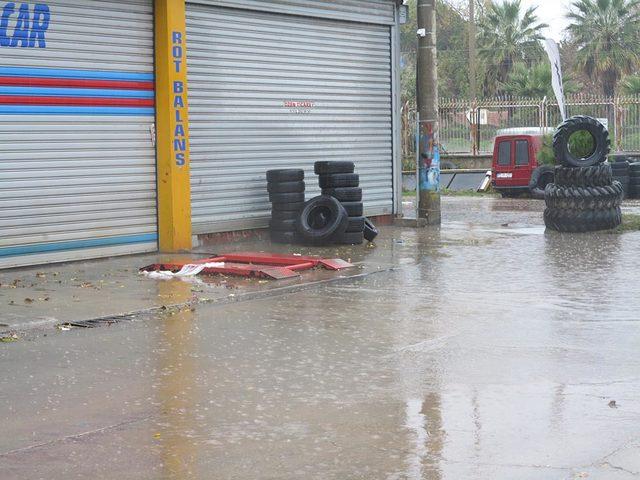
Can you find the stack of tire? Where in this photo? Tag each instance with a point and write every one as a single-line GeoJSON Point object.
{"type": "Point", "coordinates": [634, 180]}
{"type": "Point", "coordinates": [286, 194]}
{"type": "Point", "coordinates": [338, 180]}
{"type": "Point", "coordinates": [584, 197]}
{"type": "Point", "coordinates": [620, 167]}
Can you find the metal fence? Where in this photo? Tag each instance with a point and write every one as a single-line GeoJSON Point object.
{"type": "Point", "coordinates": [470, 127]}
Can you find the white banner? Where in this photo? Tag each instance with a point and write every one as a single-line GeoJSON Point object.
{"type": "Point", "coordinates": [556, 74]}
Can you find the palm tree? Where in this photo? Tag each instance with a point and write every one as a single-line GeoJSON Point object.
{"type": "Point", "coordinates": [606, 34]}
{"type": "Point", "coordinates": [534, 82]}
{"type": "Point", "coordinates": [631, 85]}
{"type": "Point", "coordinates": [508, 35]}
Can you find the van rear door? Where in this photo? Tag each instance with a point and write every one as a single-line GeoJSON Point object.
{"type": "Point", "coordinates": [503, 163]}
{"type": "Point", "coordinates": [522, 162]}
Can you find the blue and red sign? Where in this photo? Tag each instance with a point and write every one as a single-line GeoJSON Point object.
{"type": "Point", "coordinates": [44, 91]}
{"type": "Point", "coordinates": [23, 25]}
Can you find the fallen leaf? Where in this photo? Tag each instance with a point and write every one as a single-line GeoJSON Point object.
{"type": "Point", "coordinates": [28, 300]}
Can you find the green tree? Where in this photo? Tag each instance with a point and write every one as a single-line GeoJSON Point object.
{"type": "Point", "coordinates": [606, 34]}
{"type": "Point", "coordinates": [534, 82]}
{"type": "Point", "coordinates": [631, 85]}
{"type": "Point", "coordinates": [453, 76]}
{"type": "Point", "coordinates": [508, 35]}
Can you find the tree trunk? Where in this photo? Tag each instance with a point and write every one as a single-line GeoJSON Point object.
{"type": "Point", "coordinates": [609, 81]}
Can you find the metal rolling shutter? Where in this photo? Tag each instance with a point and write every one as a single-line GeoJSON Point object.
{"type": "Point", "coordinates": [269, 90]}
{"type": "Point", "coordinates": [364, 11]}
{"type": "Point", "coordinates": [77, 160]}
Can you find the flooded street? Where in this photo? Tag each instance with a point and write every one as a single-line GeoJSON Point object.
{"type": "Point", "coordinates": [484, 350]}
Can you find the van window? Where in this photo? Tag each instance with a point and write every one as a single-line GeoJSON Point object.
{"type": "Point", "coordinates": [522, 152]}
{"type": "Point", "coordinates": [504, 154]}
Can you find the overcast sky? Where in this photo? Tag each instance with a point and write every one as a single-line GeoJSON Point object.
{"type": "Point", "coordinates": [553, 13]}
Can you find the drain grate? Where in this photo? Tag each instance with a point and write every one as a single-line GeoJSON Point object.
{"type": "Point", "coordinates": [96, 322]}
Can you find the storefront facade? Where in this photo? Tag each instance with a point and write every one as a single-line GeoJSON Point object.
{"type": "Point", "coordinates": [114, 140]}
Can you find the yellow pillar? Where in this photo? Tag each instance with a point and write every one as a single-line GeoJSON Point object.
{"type": "Point", "coordinates": [172, 126]}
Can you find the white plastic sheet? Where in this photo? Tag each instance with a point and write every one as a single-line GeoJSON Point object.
{"type": "Point", "coordinates": [190, 270]}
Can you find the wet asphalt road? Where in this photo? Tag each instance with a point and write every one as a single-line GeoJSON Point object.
{"type": "Point", "coordinates": [492, 351]}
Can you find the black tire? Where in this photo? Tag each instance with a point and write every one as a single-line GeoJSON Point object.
{"type": "Point", "coordinates": [286, 197]}
{"type": "Point", "coordinates": [287, 207]}
{"type": "Point", "coordinates": [327, 168]}
{"type": "Point", "coordinates": [626, 184]}
{"type": "Point", "coordinates": [541, 177]}
{"type": "Point", "coordinates": [355, 224]}
{"type": "Point", "coordinates": [370, 230]}
{"type": "Point", "coordinates": [537, 194]}
{"type": "Point", "coordinates": [339, 180]}
{"type": "Point", "coordinates": [620, 169]}
{"type": "Point", "coordinates": [354, 209]}
{"type": "Point", "coordinates": [351, 238]}
{"type": "Point", "coordinates": [283, 225]}
{"type": "Point", "coordinates": [580, 221]}
{"type": "Point", "coordinates": [285, 175]}
{"type": "Point", "coordinates": [577, 124]}
{"type": "Point", "coordinates": [634, 170]}
{"type": "Point", "coordinates": [284, 237]}
{"type": "Point", "coordinates": [584, 198]}
{"type": "Point", "coordinates": [625, 180]}
{"type": "Point", "coordinates": [346, 194]}
{"type": "Point", "coordinates": [285, 187]}
{"type": "Point", "coordinates": [322, 219]}
{"type": "Point", "coordinates": [619, 157]}
{"type": "Point", "coordinates": [279, 215]}
{"type": "Point", "coordinates": [596, 176]}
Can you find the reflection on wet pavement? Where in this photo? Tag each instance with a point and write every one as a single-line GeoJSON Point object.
{"type": "Point", "coordinates": [177, 382]}
{"type": "Point", "coordinates": [493, 351]}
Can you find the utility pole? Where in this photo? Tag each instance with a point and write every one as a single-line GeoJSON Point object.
{"type": "Point", "coordinates": [427, 86]}
{"type": "Point", "coordinates": [473, 51]}
{"type": "Point", "coordinates": [473, 76]}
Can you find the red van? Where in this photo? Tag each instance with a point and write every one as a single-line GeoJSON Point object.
{"type": "Point", "coordinates": [515, 159]}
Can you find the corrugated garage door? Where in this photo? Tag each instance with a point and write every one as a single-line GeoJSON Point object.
{"type": "Point", "coordinates": [271, 90]}
{"type": "Point", "coordinates": [77, 160]}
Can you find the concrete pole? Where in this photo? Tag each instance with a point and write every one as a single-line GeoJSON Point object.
{"type": "Point", "coordinates": [473, 75]}
{"type": "Point", "coordinates": [473, 51]}
{"type": "Point", "coordinates": [427, 86]}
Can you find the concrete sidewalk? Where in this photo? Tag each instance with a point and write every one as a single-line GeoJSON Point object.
{"type": "Point", "coordinates": [45, 296]}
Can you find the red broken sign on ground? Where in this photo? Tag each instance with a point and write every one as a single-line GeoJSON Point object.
{"type": "Point", "coordinates": [255, 264]}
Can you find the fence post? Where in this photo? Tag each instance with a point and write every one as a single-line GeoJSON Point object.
{"type": "Point", "coordinates": [617, 114]}
{"type": "Point", "coordinates": [474, 115]}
